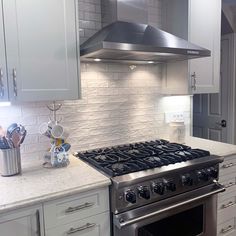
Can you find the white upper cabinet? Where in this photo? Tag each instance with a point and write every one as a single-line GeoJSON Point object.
{"type": "Point", "coordinates": [199, 22]}
{"type": "Point", "coordinates": [42, 49]}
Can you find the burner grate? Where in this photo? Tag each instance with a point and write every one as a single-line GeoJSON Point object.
{"type": "Point", "coordinates": [135, 157]}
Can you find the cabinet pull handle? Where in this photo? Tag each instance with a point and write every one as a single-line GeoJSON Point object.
{"type": "Point", "coordinates": [228, 165]}
{"type": "Point", "coordinates": [80, 207]}
{"type": "Point", "coordinates": [14, 82]}
{"type": "Point", "coordinates": [229, 204]}
{"type": "Point", "coordinates": [227, 229]}
{"type": "Point", "coordinates": [1, 84]}
{"type": "Point", "coordinates": [81, 228]}
{"type": "Point", "coordinates": [194, 82]}
{"type": "Point", "coordinates": [38, 223]}
{"type": "Point", "coordinates": [230, 184]}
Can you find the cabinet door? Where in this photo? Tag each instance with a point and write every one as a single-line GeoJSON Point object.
{"type": "Point", "coordinates": [3, 71]}
{"type": "Point", "coordinates": [22, 223]}
{"type": "Point", "coordinates": [204, 30]}
{"type": "Point", "coordinates": [199, 22]}
{"type": "Point", "coordinates": [41, 45]}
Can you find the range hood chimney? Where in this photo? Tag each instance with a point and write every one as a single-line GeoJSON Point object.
{"type": "Point", "coordinates": [127, 37]}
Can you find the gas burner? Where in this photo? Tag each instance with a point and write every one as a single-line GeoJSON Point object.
{"type": "Point", "coordinates": [125, 168]}
{"type": "Point", "coordinates": [170, 147]}
{"type": "Point", "coordinates": [100, 157]}
{"type": "Point", "coordinates": [117, 167]}
{"type": "Point", "coordinates": [133, 151]}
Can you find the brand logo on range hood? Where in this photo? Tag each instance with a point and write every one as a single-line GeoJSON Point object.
{"type": "Point", "coordinates": [193, 52]}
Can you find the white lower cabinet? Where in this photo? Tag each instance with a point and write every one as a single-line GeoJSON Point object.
{"type": "Point", "coordinates": [82, 214]}
{"type": "Point", "coordinates": [23, 222]}
{"type": "Point", "coordinates": [98, 225]}
{"type": "Point", "coordinates": [227, 200]}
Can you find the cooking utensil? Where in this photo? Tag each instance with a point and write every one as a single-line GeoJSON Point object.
{"type": "Point", "coordinates": [11, 129]}
{"type": "Point", "coordinates": [2, 132]}
{"type": "Point", "coordinates": [15, 135]}
{"type": "Point", "coordinates": [4, 143]}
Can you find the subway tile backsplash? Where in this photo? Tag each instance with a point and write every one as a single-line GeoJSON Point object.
{"type": "Point", "coordinates": [118, 105]}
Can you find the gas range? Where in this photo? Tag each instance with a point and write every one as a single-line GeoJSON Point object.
{"type": "Point", "coordinates": [147, 172]}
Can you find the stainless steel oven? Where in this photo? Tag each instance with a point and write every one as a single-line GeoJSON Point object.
{"type": "Point", "coordinates": [188, 214]}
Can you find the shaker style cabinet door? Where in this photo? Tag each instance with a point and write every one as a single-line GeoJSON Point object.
{"type": "Point", "coordinates": [27, 222]}
{"type": "Point", "coordinates": [3, 69]}
{"type": "Point", "coordinates": [41, 45]}
{"type": "Point", "coordinates": [199, 22]}
{"type": "Point", "coordinates": [204, 30]}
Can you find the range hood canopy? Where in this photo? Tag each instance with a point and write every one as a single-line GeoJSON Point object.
{"type": "Point", "coordinates": [123, 41]}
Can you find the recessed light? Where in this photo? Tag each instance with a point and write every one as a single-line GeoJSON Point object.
{"type": "Point", "coordinates": [150, 62]}
{"type": "Point", "coordinates": [97, 59]}
{"type": "Point", "coordinates": [5, 104]}
{"type": "Point", "coordinates": [132, 67]}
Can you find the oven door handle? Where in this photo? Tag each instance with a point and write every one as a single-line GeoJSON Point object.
{"type": "Point", "coordinates": [120, 222]}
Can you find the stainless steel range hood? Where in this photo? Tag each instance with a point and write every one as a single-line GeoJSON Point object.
{"type": "Point", "coordinates": [125, 40]}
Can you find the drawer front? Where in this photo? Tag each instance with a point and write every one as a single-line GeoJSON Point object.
{"type": "Point", "coordinates": [227, 203]}
{"type": "Point", "coordinates": [229, 182]}
{"type": "Point", "coordinates": [227, 228]}
{"type": "Point", "coordinates": [98, 225]}
{"type": "Point", "coordinates": [75, 208]}
{"type": "Point", "coordinates": [228, 166]}
{"type": "Point", "coordinates": [226, 210]}
{"type": "Point", "coordinates": [222, 197]}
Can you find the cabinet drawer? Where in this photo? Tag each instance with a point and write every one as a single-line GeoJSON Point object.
{"type": "Point", "coordinates": [229, 183]}
{"type": "Point", "coordinates": [227, 228]}
{"type": "Point", "coordinates": [75, 208]}
{"type": "Point", "coordinates": [98, 225]}
{"type": "Point", "coordinates": [228, 166]}
{"type": "Point", "coordinates": [226, 203]}
{"type": "Point", "coordinates": [226, 209]}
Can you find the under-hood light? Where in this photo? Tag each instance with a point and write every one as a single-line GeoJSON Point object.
{"type": "Point", "coordinates": [150, 62]}
{"type": "Point", "coordinates": [97, 59]}
{"type": "Point", "coordinates": [132, 67]}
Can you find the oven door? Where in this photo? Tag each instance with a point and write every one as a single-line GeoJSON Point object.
{"type": "Point", "coordinates": [189, 214]}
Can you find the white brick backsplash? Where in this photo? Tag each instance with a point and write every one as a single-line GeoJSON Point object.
{"type": "Point", "coordinates": [118, 105]}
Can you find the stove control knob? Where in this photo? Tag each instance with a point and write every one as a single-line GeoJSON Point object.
{"type": "Point", "coordinates": [203, 175]}
{"type": "Point", "coordinates": [130, 196]}
{"type": "Point", "coordinates": [213, 172]}
{"type": "Point", "coordinates": [187, 180]}
{"type": "Point", "coordinates": [158, 188]}
{"type": "Point", "coordinates": [144, 192]}
{"type": "Point", "coordinates": [171, 186]}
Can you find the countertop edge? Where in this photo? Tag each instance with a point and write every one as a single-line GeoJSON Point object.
{"type": "Point", "coordinates": [45, 198]}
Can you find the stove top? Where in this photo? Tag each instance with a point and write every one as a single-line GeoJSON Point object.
{"type": "Point", "coordinates": [125, 159]}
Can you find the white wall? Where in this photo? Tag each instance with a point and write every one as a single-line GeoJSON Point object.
{"type": "Point", "coordinates": [119, 105]}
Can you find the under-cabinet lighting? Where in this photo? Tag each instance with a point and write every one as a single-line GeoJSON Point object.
{"type": "Point", "coordinates": [5, 104]}
{"type": "Point", "coordinates": [97, 59]}
{"type": "Point", "coordinates": [150, 62]}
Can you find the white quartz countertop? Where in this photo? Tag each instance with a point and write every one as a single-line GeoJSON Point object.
{"type": "Point", "coordinates": [38, 184]}
{"type": "Point", "coordinates": [216, 148]}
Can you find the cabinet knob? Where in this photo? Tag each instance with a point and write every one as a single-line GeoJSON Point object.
{"type": "Point", "coordinates": [194, 82]}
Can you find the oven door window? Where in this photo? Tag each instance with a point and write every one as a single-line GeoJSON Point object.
{"type": "Point", "coordinates": [187, 223]}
